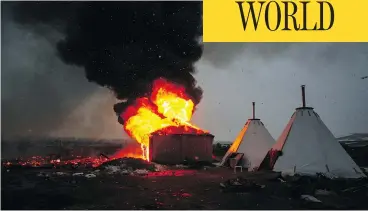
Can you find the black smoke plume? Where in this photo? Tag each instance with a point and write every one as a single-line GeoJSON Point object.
{"type": "Point", "coordinates": [124, 46]}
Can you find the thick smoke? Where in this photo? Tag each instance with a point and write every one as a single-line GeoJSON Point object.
{"type": "Point", "coordinates": [125, 45]}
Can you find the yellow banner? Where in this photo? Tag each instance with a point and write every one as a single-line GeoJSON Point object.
{"type": "Point", "coordinates": [285, 21]}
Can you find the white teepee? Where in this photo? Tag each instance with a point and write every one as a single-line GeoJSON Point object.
{"type": "Point", "coordinates": [308, 147]}
{"type": "Point", "coordinates": [254, 141]}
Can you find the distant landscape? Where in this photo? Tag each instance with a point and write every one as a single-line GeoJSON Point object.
{"type": "Point", "coordinates": [356, 145]}
{"type": "Point", "coordinates": [26, 147]}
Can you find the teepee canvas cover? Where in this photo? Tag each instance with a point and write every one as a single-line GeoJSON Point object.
{"type": "Point", "coordinates": [254, 141]}
{"type": "Point", "coordinates": [307, 146]}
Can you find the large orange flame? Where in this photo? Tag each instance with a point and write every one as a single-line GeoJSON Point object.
{"type": "Point", "coordinates": [168, 110]}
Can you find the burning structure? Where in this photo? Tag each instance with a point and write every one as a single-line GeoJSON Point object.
{"type": "Point", "coordinates": [175, 148]}
{"type": "Point", "coordinates": [161, 117]}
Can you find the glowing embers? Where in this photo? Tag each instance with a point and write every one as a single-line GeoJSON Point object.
{"type": "Point", "coordinates": [38, 161]}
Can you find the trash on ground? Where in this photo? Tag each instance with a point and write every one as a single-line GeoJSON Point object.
{"type": "Point", "coordinates": [281, 180]}
{"type": "Point", "coordinates": [124, 172]}
{"type": "Point", "coordinates": [42, 174]}
{"type": "Point", "coordinates": [240, 185]}
{"type": "Point", "coordinates": [310, 198]}
{"type": "Point", "coordinates": [112, 169]}
{"type": "Point", "coordinates": [141, 171]}
{"type": "Point", "coordinates": [320, 192]}
{"type": "Point", "coordinates": [90, 175]}
{"type": "Point", "coordinates": [61, 173]}
{"type": "Point", "coordinates": [159, 167]}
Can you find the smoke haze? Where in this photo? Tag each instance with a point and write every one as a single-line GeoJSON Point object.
{"type": "Point", "coordinates": [40, 94]}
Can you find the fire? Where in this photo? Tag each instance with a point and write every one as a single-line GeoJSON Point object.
{"type": "Point", "coordinates": [168, 110]}
{"type": "Point", "coordinates": [130, 151]}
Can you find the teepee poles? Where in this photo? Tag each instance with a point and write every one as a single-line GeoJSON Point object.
{"type": "Point", "coordinates": [303, 95]}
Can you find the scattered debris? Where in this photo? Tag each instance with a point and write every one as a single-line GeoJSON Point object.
{"type": "Point", "coordinates": [327, 175]}
{"type": "Point", "coordinates": [141, 171]}
{"type": "Point", "coordinates": [130, 166]}
{"type": "Point", "coordinates": [240, 185]}
{"type": "Point", "coordinates": [159, 167]}
{"type": "Point", "coordinates": [296, 192]}
{"type": "Point", "coordinates": [310, 198]}
{"type": "Point", "coordinates": [127, 163]}
{"type": "Point", "coordinates": [281, 180]}
{"type": "Point", "coordinates": [61, 173]}
{"type": "Point", "coordinates": [43, 174]}
{"type": "Point", "coordinates": [124, 172]}
{"type": "Point", "coordinates": [90, 175]}
{"type": "Point", "coordinates": [181, 166]}
{"type": "Point", "coordinates": [320, 192]}
{"type": "Point", "coordinates": [206, 167]}
{"type": "Point", "coordinates": [112, 169]}
{"type": "Point", "coordinates": [355, 189]}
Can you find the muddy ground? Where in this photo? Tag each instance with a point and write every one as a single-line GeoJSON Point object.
{"type": "Point", "coordinates": [174, 189]}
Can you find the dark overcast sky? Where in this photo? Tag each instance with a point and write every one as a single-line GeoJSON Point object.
{"type": "Point", "coordinates": [43, 96]}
